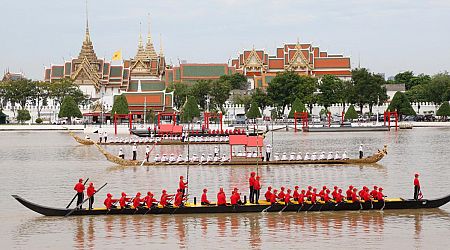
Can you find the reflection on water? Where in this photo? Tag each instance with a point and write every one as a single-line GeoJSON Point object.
{"type": "Point", "coordinates": [245, 230]}
{"type": "Point", "coordinates": [43, 167]}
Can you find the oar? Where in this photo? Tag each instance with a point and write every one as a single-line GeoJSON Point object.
{"type": "Point", "coordinates": [300, 207]}
{"type": "Point", "coordinates": [76, 195]}
{"type": "Point", "coordinates": [73, 210]}
{"type": "Point", "coordinates": [284, 207]}
{"type": "Point", "coordinates": [266, 209]}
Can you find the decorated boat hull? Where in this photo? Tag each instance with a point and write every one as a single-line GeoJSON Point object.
{"type": "Point", "coordinates": [264, 206]}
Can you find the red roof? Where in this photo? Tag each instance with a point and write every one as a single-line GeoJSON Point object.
{"type": "Point", "coordinates": [255, 141]}
{"type": "Point", "coordinates": [249, 141]}
{"type": "Point", "coordinates": [170, 128]}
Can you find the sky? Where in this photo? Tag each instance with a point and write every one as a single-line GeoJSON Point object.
{"type": "Point", "coordinates": [386, 36]}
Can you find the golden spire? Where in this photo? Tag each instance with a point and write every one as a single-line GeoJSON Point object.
{"type": "Point", "coordinates": [149, 48]}
{"type": "Point", "coordinates": [140, 55]}
{"type": "Point", "coordinates": [87, 49]}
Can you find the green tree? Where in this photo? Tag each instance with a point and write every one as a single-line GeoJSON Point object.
{"type": "Point", "coordinates": [201, 90]}
{"type": "Point", "coordinates": [405, 78]}
{"type": "Point", "coordinates": [18, 91]}
{"type": "Point", "coordinates": [253, 112]}
{"type": "Point", "coordinates": [281, 90]}
{"type": "Point", "coordinates": [351, 113]}
{"type": "Point", "coordinates": [181, 91]}
{"type": "Point", "coordinates": [245, 100]}
{"type": "Point", "coordinates": [330, 90]}
{"type": "Point", "coordinates": [69, 109]}
{"type": "Point", "coordinates": [190, 110]}
{"type": "Point", "coordinates": [417, 94]}
{"type": "Point", "coordinates": [401, 104]}
{"type": "Point", "coordinates": [438, 90]}
{"type": "Point", "coordinates": [305, 91]}
{"type": "Point", "coordinates": [444, 110]}
{"type": "Point", "coordinates": [150, 116]}
{"type": "Point", "coordinates": [120, 105]}
{"type": "Point", "coordinates": [23, 115]}
{"type": "Point", "coordinates": [220, 92]}
{"type": "Point", "coordinates": [41, 94]}
{"type": "Point", "coordinates": [297, 106]}
{"type": "Point", "coordinates": [237, 81]}
{"type": "Point", "coordinates": [368, 88]}
{"type": "Point", "coordinates": [66, 87]}
{"type": "Point", "coordinates": [261, 98]}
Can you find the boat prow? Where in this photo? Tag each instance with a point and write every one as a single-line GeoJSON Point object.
{"type": "Point", "coordinates": [47, 211]}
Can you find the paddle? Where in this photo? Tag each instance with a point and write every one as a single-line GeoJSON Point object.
{"type": "Point", "coordinates": [73, 210]}
{"type": "Point", "coordinates": [300, 207]}
{"type": "Point", "coordinates": [284, 207]}
{"type": "Point", "coordinates": [266, 209]}
{"type": "Point", "coordinates": [76, 195]}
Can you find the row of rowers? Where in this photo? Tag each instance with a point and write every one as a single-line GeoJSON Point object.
{"type": "Point", "coordinates": [310, 157]}
{"type": "Point", "coordinates": [132, 140]}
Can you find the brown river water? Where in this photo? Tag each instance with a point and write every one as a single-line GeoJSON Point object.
{"type": "Point", "coordinates": [44, 166]}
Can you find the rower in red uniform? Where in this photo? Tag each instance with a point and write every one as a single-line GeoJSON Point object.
{"type": "Point", "coordinates": [257, 189]}
{"type": "Point", "coordinates": [314, 195]}
{"type": "Point", "coordinates": [326, 196]}
{"type": "Point", "coordinates": [205, 200]}
{"type": "Point", "coordinates": [287, 197]}
{"type": "Point", "coordinates": [221, 198]}
{"type": "Point", "coordinates": [355, 195]}
{"type": "Point", "coordinates": [296, 193]}
{"type": "Point", "coordinates": [334, 193]}
{"type": "Point", "coordinates": [235, 198]}
{"type": "Point", "coordinates": [417, 191]}
{"type": "Point", "coordinates": [183, 185]}
{"type": "Point", "coordinates": [273, 197]}
{"type": "Point", "coordinates": [309, 192]}
{"type": "Point", "coordinates": [79, 187]}
{"type": "Point", "coordinates": [268, 193]}
{"type": "Point", "coordinates": [374, 192]}
{"type": "Point", "coordinates": [322, 192]}
{"type": "Point", "coordinates": [339, 196]}
{"type": "Point", "coordinates": [251, 183]}
{"type": "Point", "coordinates": [301, 197]}
{"type": "Point", "coordinates": [137, 201]}
{"type": "Point", "coordinates": [281, 194]}
{"type": "Point", "coordinates": [149, 200]}
{"type": "Point", "coordinates": [90, 194]}
{"type": "Point", "coordinates": [109, 202]}
{"type": "Point", "coordinates": [165, 198]}
{"type": "Point", "coordinates": [179, 199]}
{"type": "Point", "coordinates": [366, 195]}
{"type": "Point", "coordinates": [349, 192]}
{"type": "Point", "coordinates": [380, 195]}
{"type": "Point", "coordinates": [123, 201]}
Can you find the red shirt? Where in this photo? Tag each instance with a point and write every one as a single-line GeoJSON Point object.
{"type": "Point", "coordinates": [313, 197]}
{"type": "Point", "coordinates": [123, 201]}
{"type": "Point", "coordinates": [257, 185]}
{"type": "Point", "coordinates": [178, 199]}
{"type": "Point", "coordinates": [90, 191]}
{"type": "Point", "coordinates": [334, 194]}
{"type": "Point", "coordinates": [281, 195]}
{"type": "Point", "coordinates": [374, 194]}
{"type": "Point", "coordinates": [295, 195]}
{"type": "Point", "coordinates": [251, 181]}
{"type": "Point", "coordinates": [349, 193]}
{"type": "Point", "coordinates": [182, 184]}
{"type": "Point", "coordinates": [366, 196]}
{"type": "Point", "coordinates": [308, 193]}
{"type": "Point", "coordinates": [163, 200]}
{"type": "Point", "coordinates": [149, 200]}
{"type": "Point", "coordinates": [380, 196]}
{"type": "Point", "coordinates": [321, 193]}
{"type": "Point", "coordinates": [339, 197]}
{"type": "Point", "coordinates": [108, 202]}
{"type": "Point", "coordinates": [221, 198]}
{"type": "Point", "coordinates": [301, 198]}
{"type": "Point", "coordinates": [79, 187]}
{"type": "Point", "coordinates": [273, 198]}
{"type": "Point", "coordinates": [416, 182]}
{"type": "Point", "coordinates": [204, 198]}
{"type": "Point", "coordinates": [326, 198]}
{"type": "Point", "coordinates": [235, 198]}
{"type": "Point", "coordinates": [268, 195]}
{"type": "Point", "coordinates": [136, 201]}
{"type": "Point", "coordinates": [287, 198]}
{"type": "Point", "coordinates": [354, 197]}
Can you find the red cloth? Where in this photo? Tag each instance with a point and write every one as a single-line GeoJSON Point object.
{"type": "Point", "coordinates": [108, 202]}
{"type": "Point", "coordinates": [235, 198]}
{"type": "Point", "coordinates": [257, 185]}
{"type": "Point", "coordinates": [163, 200]}
{"type": "Point", "coordinates": [79, 187]}
{"type": "Point", "coordinates": [339, 197]}
{"type": "Point", "coordinates": [281, 195]}
{"type": "Point", "coordinates": [149, 200]}
{"type": "Point", "coordinates": [416, 182]}
{"type": "Point", "coordinates": [380, 196]}
{"type": "Point", "coordinates": [251, 181]}
{"type": "Point", "coordinates": [90, 191]}
{"type": "Point", "coordinates": [136, 201]}
{"type": "Point", "coordinates": [273, 198]}
{"type": "Point", "coordinates": [321, 193]}
{"type": "Point", "coordinates": [313, 197]}
{"type": "Point", "coordinates": [301, 198]}
{"type": "Point", "coordinates": [295, 195]}
{"type": "Point", "coordinates": [349, 193]}
{"type": "Point", "coordinates": [221, 198]}
{"type": "Point", "coordinates": [354, 196]}
{"type": "Point", "coordinates": [308, 193]}
{"type": "Point", "coordinates": [204, 198]}
{"type": "Point", "coordinates": [178, 199]}
{"type": "Point", "coordinates": [334, 194]}
{"type": "Point", "coordinates": [268, 195]}
{"type": "Point", "coordinates": [182, 184]}
{"type": "Point", "coordinates": [287, 198]}
{"type": "Point", "coordinates": [374, 194]}
{"type": "Point", "coordinates": [123, 200]}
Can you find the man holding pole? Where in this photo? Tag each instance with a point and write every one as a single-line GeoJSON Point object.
{"type": "Point", "coordinates": [79, 187]}
{"type": "Point", "coordinates": [417, 191]}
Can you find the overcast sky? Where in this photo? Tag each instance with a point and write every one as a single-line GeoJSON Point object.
{"type": "Point", "coordinates": [386, 36]}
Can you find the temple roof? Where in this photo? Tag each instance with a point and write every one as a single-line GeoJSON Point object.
{"type": "Point", "coordinates": [140, 54]}
{"type": "Point", "coordinates": [87, 49]}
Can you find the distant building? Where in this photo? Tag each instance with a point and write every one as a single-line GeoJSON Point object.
{"type": "Point", "coordinates": [391, 89]}
{"type": "Point", "coordinates": [11, 76]}
{"type": "Point", "coordinates": [303, 58]}
{"type": "Point", "coordinates": [192, 72]}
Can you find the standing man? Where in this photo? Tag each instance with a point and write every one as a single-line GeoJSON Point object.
{"type": "Point", "coordinates": [268, 152]}
{"type": "Point", "coordinates": [121, 154]}
{"type": "Point", "coordinates": [100, 136]}
{"type": "Point", "coordinates": [105, 136]}
{"type": "Point", "coordinates": [361, 153]}
{"type": "Point", "coordinates": [257, 189]}
{"type": "Point", "coordinates": [251, 183]}
{"type": "Point", "coordinates": [416, 187]}
{"type": "Point", "coordinates": [134, 149]}
{"type": "Point", "coordinates": [147, 152]}
{"type": "Point", "coordinates": [182, 185]}
{"type": "Point", "coordinates": [90, 191]}
{"type": "Point", "coordinates": [79, 187]}
{"type": "Point", "coordinates": [216, 151]}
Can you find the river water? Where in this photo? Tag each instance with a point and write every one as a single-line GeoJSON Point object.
{"type": "Point", "coordinates": [44, 166]}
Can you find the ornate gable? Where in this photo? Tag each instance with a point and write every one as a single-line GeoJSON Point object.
{"type": "Point", "coordinates": [298, 60]}
{"type": "Point", "coordinates": [253, 61]}
{"type": "Point", "coordinates": [87, 71]}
